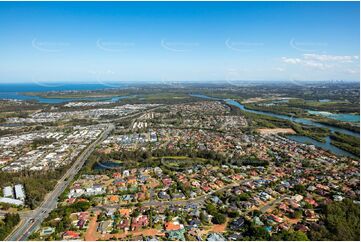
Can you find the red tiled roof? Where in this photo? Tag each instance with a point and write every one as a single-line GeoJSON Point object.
{"type": "Point", "coordinates": [172, 226]}
{"type": "Point", "coordinates": [71, 234]}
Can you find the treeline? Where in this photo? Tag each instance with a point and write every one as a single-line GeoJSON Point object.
{"type": "Point", "coordinates": [252, 232]}
{"type": "Point", "coordinates": [7, 224]}
{"type": "Point", "coordinates": [332, 106]}
{"type": "Point", "coordinates": [139, 158]}
{"type": "Point", "coordinates": [346, 142]}
{"type": "Point", "coordinates": [139, 155]}
{"type": "Point", "coordinates": [42, 141]}
{"type": "Point", "coordinates": [339, 124]}
{"type": "Point", "coordinates": [22, 129]}
{"type": "Point", "coordinates": [316, 133]}
{"type": "Point", "coordinates": [81, 121]}
{"type": "Point", "coordinates": [340, 221]}
{"type": "Point", "coordinates": [21, 107]}
{"type": "Point", "coordinates": [252, 161]}
{"type": "Point", "coordinates": [284, 110]}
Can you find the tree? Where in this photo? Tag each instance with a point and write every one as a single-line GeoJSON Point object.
{"type": "Point", "coordinates": [342, 219]}
{"type": "Point", "coordinates": [299, 188]}
{"type": "Point", "coordinates": [219, 218]}
{"type": "Point", "coordinates": [290, 236]}
{"type": "Point", "coordinates": [9, 222]}
{"type": "Point", "coordinates": [258, 233]}
{"type": "Point", "coordinates": [318, 232]}
{"type": "Point", "coordinates": [308, 206]}
{"type": "Point", "coordinates": [244, 197]}
{"type": "Point", "coordinates": [297, 214]}
{"type": "Point", "coordinates": [233, 213]}
{"type": "Point", "coordinates": [211, 209]}
{"type": "Point", "coordinates": [203, 218]}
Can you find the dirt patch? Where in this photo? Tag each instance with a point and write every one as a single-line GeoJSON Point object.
{"type": "Point", "coordinates": [254, 100]}
{"type": "Point", "coordinates": [219, 228]}
{"type": "Point", "coordinates": [91, 233]}
{"type": "Point", "coordinates": [216, 228]}
{"type": "Point", "coordinates": [276, 131]}
{"type": "Point", "coordinates": [122, 235]}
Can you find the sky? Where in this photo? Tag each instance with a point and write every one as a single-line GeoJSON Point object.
{"type": "Point", "coordinates": [179, 41]}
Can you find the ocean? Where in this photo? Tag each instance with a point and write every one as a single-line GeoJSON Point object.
{"type": "Point", "coordinates": [15, 90]}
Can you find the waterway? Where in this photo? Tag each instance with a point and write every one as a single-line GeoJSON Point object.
{"type": "Point", "coordinates": [326, 146]}
{"type": "Point", "coordinates": [345, 117]}
{"type": "Point", "coordinates": [302, 139]}
{"type": "Point", "coordinates": [107, 165]}
{"type": "Point", "coordinates": [19, 96]}
{"type": "Point", "coordinates": [16, 90]}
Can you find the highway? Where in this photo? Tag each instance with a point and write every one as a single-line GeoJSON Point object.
{"type": "Point", "coordinates": [33, 219]}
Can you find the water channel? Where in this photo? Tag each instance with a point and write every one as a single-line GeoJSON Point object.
{"type": "Point", "coordinates": [298, 138]}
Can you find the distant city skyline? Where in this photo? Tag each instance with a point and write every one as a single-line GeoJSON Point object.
{"type": "Point", "coordinates": [103, 42]}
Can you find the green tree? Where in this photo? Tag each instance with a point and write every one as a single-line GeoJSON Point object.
{"type": "Point", "coordinates": [297, 214]}
{"type": "Point", "coordinates": [211, 209]}
{"type": "Point", "coordinates": [219, 218]}
{"type": "Point", "coordinates": [9, 222]}
{"type": "Point", "coordinates": [342, 219]}
{"type": "Point", "coordinates": [299, 188]}
{"type": "Point", "coordinates": [290, 236]}
{"type": "Point", "coordinates": [258, 233]}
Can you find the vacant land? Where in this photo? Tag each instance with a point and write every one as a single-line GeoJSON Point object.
{"type": "Point", "coordinates": [276, 131]}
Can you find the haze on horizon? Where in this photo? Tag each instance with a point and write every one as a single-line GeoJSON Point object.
{"type": "Point", "coordinates": [179, 41]}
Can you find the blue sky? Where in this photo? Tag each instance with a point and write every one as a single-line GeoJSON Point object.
{"type": "Point", "coordinates": [179, 41]}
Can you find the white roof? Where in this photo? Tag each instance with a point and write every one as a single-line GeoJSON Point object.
{"type": "Point", "coordinates": [8, 191]}
{"type": "Point", "coordinates": [19, 191]}
{"type": "Point", "coordinates": [11, 201]}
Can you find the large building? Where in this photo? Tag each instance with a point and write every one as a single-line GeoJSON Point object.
{"type": "Point", "coordinates": [8, 192]}
{"type": "Point", "coordinates": [19, 192]}
{"type": "Point", "coordinates": [8, 195]}
{"type": "Point", "coordinates": [11, 201]}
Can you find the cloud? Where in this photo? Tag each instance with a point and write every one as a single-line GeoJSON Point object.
{"type": "Point", "coordinates": [316, 65]}
{"type": "Point", "coordinates": [330, 58]}
{"type": "Point", "coordinates": [307, 63]}
{"type": "Point", "coordinates": [321, 62]}
{"type": "Point", "coordinates": [352, 71]}
{"type": "Point", "coordinates": [291, 60]}
{"type": "Point", "coordinates": [280, 69]}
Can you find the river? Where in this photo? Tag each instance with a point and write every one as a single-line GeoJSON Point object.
{"type": "Point", "coordinates": [301, 139]}
{"type": "Point", "coordinates": [345, 117]}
